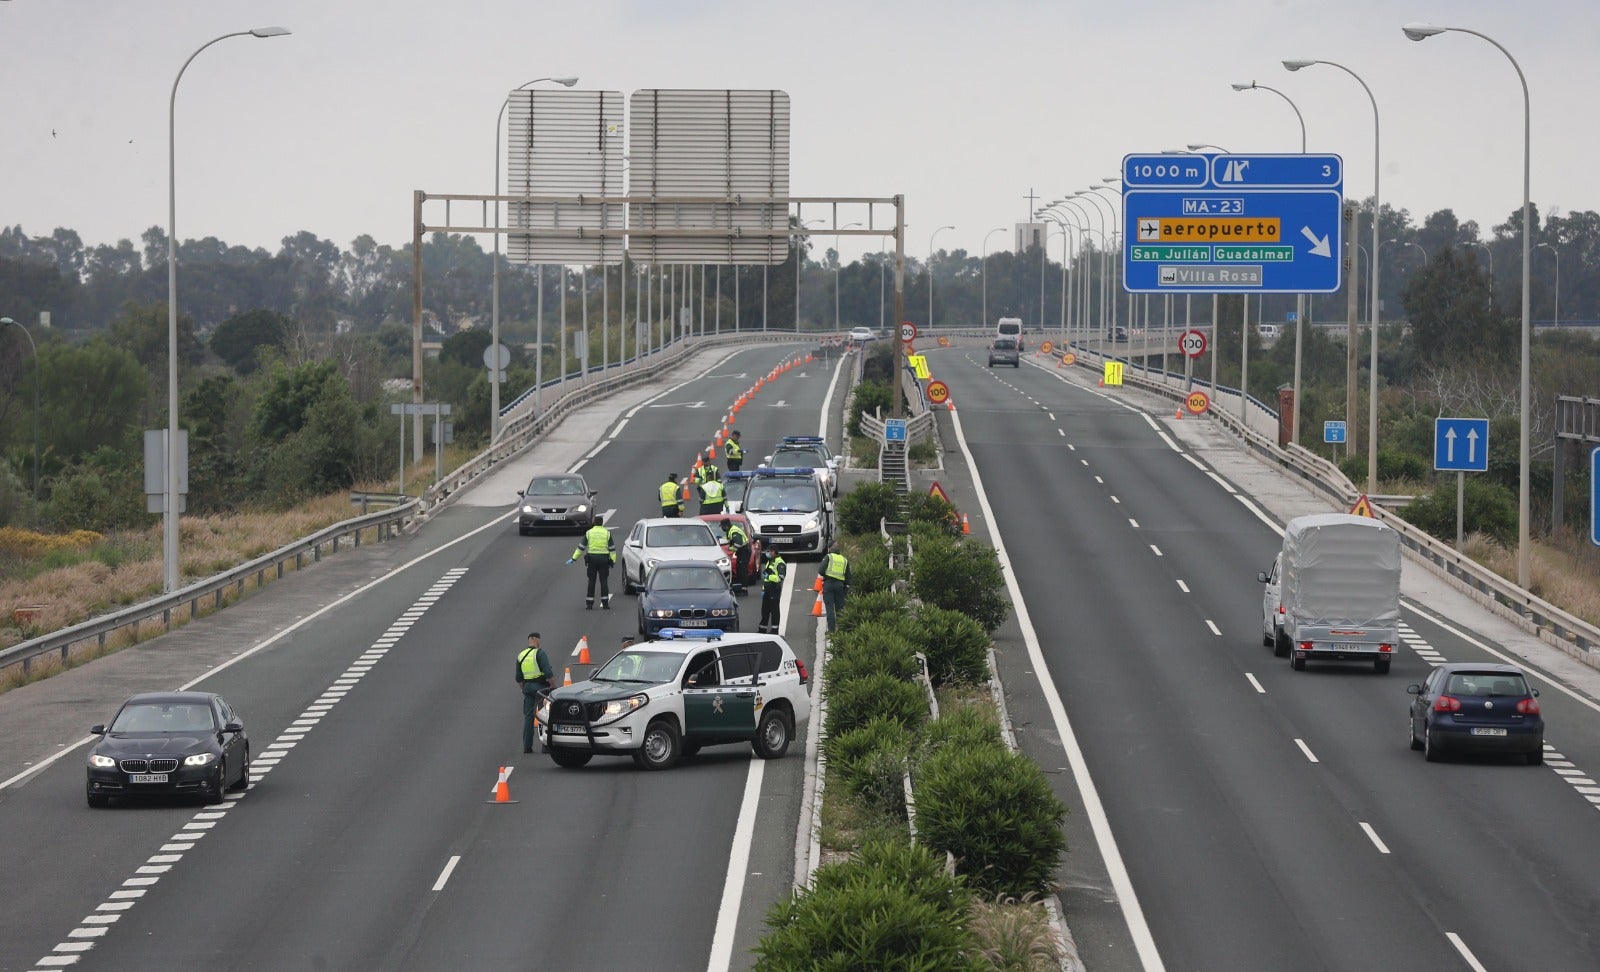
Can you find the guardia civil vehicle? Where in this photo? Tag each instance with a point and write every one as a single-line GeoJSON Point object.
{"type": "Point", "coordinates": [660, 700]}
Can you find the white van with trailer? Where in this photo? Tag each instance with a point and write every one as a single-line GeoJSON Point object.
{"type": "Point", "coordinates": [1334, 591]}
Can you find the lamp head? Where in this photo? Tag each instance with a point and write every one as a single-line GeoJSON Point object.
{"type": "Point", "coordinates": [569, 82]}
{"type": "Point", "coordinates": [6, 322]}
{"type": "Point", "coordinates": [269, 31]}
{"type": "Point", "coordinates": [1295, 64]}
{"type": "Point", "coordinates": [1111, 180]}
{"type": "Point", "coordinates": [1243, 85]}
{"type": "Point", "coordinates": [1420, 31]}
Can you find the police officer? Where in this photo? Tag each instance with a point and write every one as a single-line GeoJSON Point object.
{"type": "Point", "coordinates": [703, 473]}
{"type": "Point", "coordinates": [599, 552]}
{"type": "Point", "coordinates": [711, 494]}
{"type": "Point", "coordinates": [734, 452]}
{"type": "Point", "coordinates": [835, 582]}
{"type": "Point", "coordinates": [533, 674]}
{"type": "Point", "coordinates": [773, 569]}
{"type": "Point", "coordinates": [671, 501]}
{"type": "Point", "coordinates": [739, 543]}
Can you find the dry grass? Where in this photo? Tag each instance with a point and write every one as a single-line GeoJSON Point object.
{"type": "Point", "coordinates": [1564, 570]}
{"type": "Point", "coordinates": [956, 696]}
{"type": "Point", "coordinates": [1015, 936]}
{"type": "Point", "coordinates": [847, 823]}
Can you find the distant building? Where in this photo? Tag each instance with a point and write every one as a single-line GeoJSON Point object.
{"type": "Point", "coordinates": [1029, 235]}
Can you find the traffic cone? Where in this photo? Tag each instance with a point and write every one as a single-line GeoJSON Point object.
{"type": "Point", "coordinates": [1102, 383]}
{"type": "Point", "coordinates": [816, 608]}
{"type": "Point", "coordinates": [567, 678]}
{"type": "Point", "coordinates": [711, 453]}
{"type": "Point", "coordinates": [818, 585]}
{"type": "Point", "coordinates": [1178, 414]}
{"type": "Point", "coordinates": [502, 788]}
{"type": "Point", "coordinates": [582, 651]}
{"type": "Point", "coordinates": [950, 405]}
{"type": "Point", "coordinates": [966, 529]}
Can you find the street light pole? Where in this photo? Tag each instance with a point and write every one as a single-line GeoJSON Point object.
{"type": "Point", "coordinates": [984, 271]}
{"type": "Point", "coordinates": [1557, 254]}
{"type": "Point", "coordinates": [494, 299]}
{"type": "Point", "coordinates": [1377, 212]}
{"type": "Point", "coordinates": [1419, 32]}
{"type": "Point", "coordinates": [169, 522]}
{"type": "Point", "coordinates": [799, 261]}
{"type": "Point", "coordinates": [8, 322]}
{"type": "Point", "coordinates": [930, 270]}
{"type": "Point", "coordinates": [838, 265]}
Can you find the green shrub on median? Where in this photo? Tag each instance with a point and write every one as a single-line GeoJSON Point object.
{"type": "Point", "coordinates": [870, 571]}
{"type": "Point", "coordinates": [871, 649]}
{"type": "Point", "coordinates": [962, 577]}
{"type": "Point", "coordinates": [957, 647]}
{"type": "Point", "coordinates": [871, 762]}
{"type": "Point", "coordinates": [885, 606]}
{"type": "Point", "coordinates": [861, 509]}
{"type": "Point", "coordinates": [994, 810]}
{"type": "Point", "coordinates": [854, 703]}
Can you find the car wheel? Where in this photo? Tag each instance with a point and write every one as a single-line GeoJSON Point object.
{"type": "Point", "coordinates": [1536, 757]}
{"type": "Point", "coordinates": [1411, 734]}
{"type": "Point", "coordinates": [772, 735]}
{"type": "Point", "coordinates": [1381, 665]}
{"type": "Point", "coordinates": [1431, 751]}
{"type": "Point", "coordinates": [97, 801]}
{"type": "Point", "coordinates": [1297, 663]}
{"type": "Point", "coordinates": [244, 773]}
{"type": "Point", "coordinates": [214, 793]}
{"type": "Point", "coordinates": [690, 749]}
{"type": "Point", "coordinates": [660, 748]}
{"type": "Point", "coordinates": [1280, 645]}
{"type": "Point", "coordinates": [569, 758]}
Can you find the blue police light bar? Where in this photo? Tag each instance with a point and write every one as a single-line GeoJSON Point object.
{"type": "Point", "coordinates": [785, 471]}
{"type": "Point", "coordinates": [738, 475]}
{"type": "Point", "coordinates": [801, 438]}
{"type": "Point", "coordinates": [691, 634]}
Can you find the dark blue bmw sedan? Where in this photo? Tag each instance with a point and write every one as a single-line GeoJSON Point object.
{"type": "Point", "coordinates": [687, 594]}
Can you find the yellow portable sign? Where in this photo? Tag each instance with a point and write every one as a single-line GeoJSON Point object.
{"type": "Point", "coordinates": [1113, 374]}
{"type": "Point", "coordinates": [919, 365]}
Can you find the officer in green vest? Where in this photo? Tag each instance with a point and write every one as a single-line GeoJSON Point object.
{"type": "Point", "coordinates": [711, 494]}
{"type": "Point", "coordinates": [773, 569]}
{"type": "Point", "coordinates": [671, 503]}
{"type": "Point", "coordinates": [533, 674]}
{"type": "Point", "coordinates": [599, 552]}
{"type": "Point", "coordinates": [738, 543]}
{"type": "Point", "coordinates": [704, 473]}
{"type": "Point", "coordinates": [734, 452]}
{"type": "Point", "coordinates": [835, 582]}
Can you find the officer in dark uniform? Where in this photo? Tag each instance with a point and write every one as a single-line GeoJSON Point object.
{"type": "Point", "coordinates": [599, 552]}
{"type": "Point", "coordinates": [773, 570]}
{"type": "Point", "coordinates": [533, 676]}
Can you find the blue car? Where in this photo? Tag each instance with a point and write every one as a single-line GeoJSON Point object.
{"type": "Point", "coordinates": [1465, 707]}
{"type": "Point", "coordinates": [687, 594]}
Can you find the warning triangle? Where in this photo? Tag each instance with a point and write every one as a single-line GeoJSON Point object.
{"type": "Point", "coordinates": [1363, 507]}
{"type": "Point", "coordinates": [937, 490]}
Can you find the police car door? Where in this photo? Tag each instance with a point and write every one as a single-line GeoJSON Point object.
{"type": "Point", "coordinates": [719, 699]}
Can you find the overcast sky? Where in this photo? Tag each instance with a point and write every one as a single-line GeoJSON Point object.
{"type": "Point", "coordinates": [962, 105]}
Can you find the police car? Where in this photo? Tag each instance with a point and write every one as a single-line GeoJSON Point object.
{"type": "Point", "coordinates": [807, 451]}
{"type": "Point", "coordinates": [660, 700]}
{"type": "Point", "coordinates": [789, 510]}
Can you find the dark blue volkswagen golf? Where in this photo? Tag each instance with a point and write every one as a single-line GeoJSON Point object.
{"type": "Point", "coordinates": [1464, 707]}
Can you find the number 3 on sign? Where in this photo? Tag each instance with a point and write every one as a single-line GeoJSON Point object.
{"type": "Point", "coordinates": [1113, 374]}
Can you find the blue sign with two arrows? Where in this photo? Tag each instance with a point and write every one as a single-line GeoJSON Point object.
{"type": "Point", "coordinates": [1461, 444]}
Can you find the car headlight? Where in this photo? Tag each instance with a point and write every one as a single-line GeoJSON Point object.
{"type": "Point", "coordinates": [527, 509]}
{"type": "Point", "coordinates": [104, 762]}
{"type": "Point", "coordinates": [661, 614]}
{"type": "Point", "coordinates": [617, 708]}
{"type": "Point", "coordinates": [582, 508]}
{"type": "Point", "coordinates": [810, 524]}
{"type": "Point", "coordinates": [724, 563]}
{"type": "Point", "coordinates": [723, 612]}
{"type": "Point", "coordinates": [199, 759]}
{"type": "Point", "coordinates": [544, 711]}
{"type": "Point", "coordinates": [651, 563]}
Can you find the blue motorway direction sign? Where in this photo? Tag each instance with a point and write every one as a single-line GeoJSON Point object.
{"type": "Point", "coordinates": [1254, 224]}
{"type": "Point", "coordinates": [894, 430]}
{"type": "Point", "coordinates": [1461, 444]}
{"type": "Point", "coordinates": [1333, 432]}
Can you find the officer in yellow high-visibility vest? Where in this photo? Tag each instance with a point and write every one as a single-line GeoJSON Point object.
{"type": "Point", "coordinates": [533, 675]}
{"type": "Point", "coordinates": [711, 494]}
{"type": "Point", "coordinates": [734, 452]}
{"type": "Point", "coordinates": [835, 582]}
{"type": "Point", "coordinates": [773, 569]}
{"type": "Point", "coordinates": [599, 552]}
{"type": "Point", "coordinates": [704, 473]}
{"type": "Point", "coordinates": [671, 500]}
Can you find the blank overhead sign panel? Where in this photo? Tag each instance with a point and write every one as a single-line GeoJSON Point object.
{"type": "Point", "coordinates": [564, 143]}
{"type": "Point", "coordinates": [699, 143]}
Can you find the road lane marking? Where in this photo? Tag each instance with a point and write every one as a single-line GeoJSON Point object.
{"type": "Point", "coordinates": [1376, 840]}
{"type": "Point", "coordinates": [1052, 416]}
{"type": "Point", "coordinates": [1255, 683]}
{"type": "Point", "coordinates": [1156, 550]}
{"type": "Point", "coordinates": [1466, 953]}
{"type": "Point", "coordinates": [1213, 626]}
{"type": "Point", "coordinates": [1061, 433]}
{"type": "Point", "coordinates": [1073, 448]}
{"type": "Point", "coordinates": [1099, 480]}
{"type": "Point", "coordinates": [444, 875]}
{"type": "Point", "coordinates": [1313, 758]}
{"type": "Point", "coordinates": [1224, 484]}
{"type": "Point", "coordinates": [1133, 523]}
{"type": "Point", "coordinates": [1182, 586]}
{"type": "Point", "coordinates": [1194, 462]}
{"type": "Point", "coordinates": [1117, 501]}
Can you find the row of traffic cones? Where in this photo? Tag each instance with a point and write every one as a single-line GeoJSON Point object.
{"type": "Point", "coordinates": [721, 435]}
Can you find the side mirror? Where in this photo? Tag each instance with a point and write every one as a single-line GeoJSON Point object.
{"type": "Point", "coordinates": [634, 543]}
{"type": "Point", "coordinates": [827, 506]}
{"type": "Point", "coordinates": [1261, 576]}
{"type": "Point", "coordinates": [99, 730]}
{"type": "Point", "coordinates": [1535, 692]}
{"type": "Point", "coordinates": [593, 493]}
{"type": "Point", "coordinates": [766, 460]}
{"type": "Point", "coordinates": [233, 727]}
{"type": "Point", "coordinates": [521, 493]}
{"type": "Point", "coordinates": [1413, 690]}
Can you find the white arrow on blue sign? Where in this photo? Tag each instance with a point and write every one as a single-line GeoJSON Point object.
{"type": "Point", "coordinates": [1461, 444]}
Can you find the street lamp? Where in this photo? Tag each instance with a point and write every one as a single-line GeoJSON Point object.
{"type": "Point", "coordinates": [169, 522]}
{"type": "Point", "coordinates": [1299, 299]}
{"type": "Point", "coordinates": [930, 270]}
{"type": "Point", "coordinates": [1418, 32]}
{"type": "Point", "coordinates": [838, 264]}
{"type": "Point", "coordinates": [1409, 243]}
{"type": "Point", "coordinates": [984, 264]}
{"type": "Point", "coordinates": [8, 322]}
{"type": "Point", "coordinates": [494, 300]}
{"type": "Point", "coordinates": [1377, 211]}
{"type": "Point", "coordinates": [799, 257]}
{"type": "Point", "coordinates": [1557, 253]}
{"type": "Point", "coordinates": [1489, 252]}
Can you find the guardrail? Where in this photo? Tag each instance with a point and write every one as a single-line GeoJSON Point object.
{"type": "Point", "coordinates": [1567, 630]}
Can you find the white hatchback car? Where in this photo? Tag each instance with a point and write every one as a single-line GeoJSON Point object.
{"type": "Point", "coordinates": [861, 335]}
{"type": "Point", "coordinates": [669, 538]}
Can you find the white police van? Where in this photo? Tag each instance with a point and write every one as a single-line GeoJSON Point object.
{"type": "Point", "coordinates": [790, 510]}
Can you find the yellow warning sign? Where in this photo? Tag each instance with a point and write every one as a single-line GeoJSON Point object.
{"type": "Point", "coordinates": [1113, 375]}
{"type": "Point", "coordinates": [919, 365]}
{"type": "Point", "coordinates": [1185, 229]}
{"type": "Point", "coordinates": [1363, 507]}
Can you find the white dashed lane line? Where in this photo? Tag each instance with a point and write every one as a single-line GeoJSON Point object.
{"type": "Point", "coordinates": [1213, 626]}
{"type": "Point", "coordinates": [1155, 550]}
{"type": "Point", "coordinates": [1255, 684]}
{"type": "Point", "coordinates": [1307, 750]}
{"type": "Point", "coordinates": [148, 875]}
{"type": "Point", "coordinates": [1183, 587]}
{"type": "Point", "coordinates": [1371, 834]}
{"type": "Point", "coordinates": [1133, 523]}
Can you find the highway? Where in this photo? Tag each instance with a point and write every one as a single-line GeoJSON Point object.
{"type": "Point", "coordinates": [377, 731]}
{"type": "Point", "coordinates": [1268, 819]}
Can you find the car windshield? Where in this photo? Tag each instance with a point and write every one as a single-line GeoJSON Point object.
{"type": "Point", "coordinates": [798, 458]}
{"type": "Point", "coordinates": [555, 486]}
{"type": "Point", "coordinates": [640, 666]}
{"type": "Point", "coordinates": [781, 497]}
{"type": "Point", "coordinates": [734, 489]}
{"type": "Point", "coordinates": [164, 717]}
{"type": "Point", "coordinates": [686, 579]}
{"type": "Point", "coordinates": [1481, 684]}
{"type": "Point", "coordinates": [679, 535]}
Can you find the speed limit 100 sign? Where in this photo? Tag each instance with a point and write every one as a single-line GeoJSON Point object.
{"type": "Point", "coordinates": [1192, 343]}
{"type": "Point", "coordinates": [908, 331]}
{"type": "Point", "coordinates": [1197, 402]}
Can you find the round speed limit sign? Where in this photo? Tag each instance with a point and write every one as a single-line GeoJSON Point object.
{"type": "Point", "coordinates": [1046, 347]}
{"type": "Point", "coordinates": [908, 331]}
{"type": "Point", "coordinates": [1197, 402]}
{"type": "Point", "coordinates": [1192, 343]}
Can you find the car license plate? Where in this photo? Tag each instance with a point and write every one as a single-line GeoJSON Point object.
{"type": "Point", "coordinates": [693, 624]}
{"type": "Point", "coordinates": [1488, 732]}
{"type": "Point", "coordinates": [555, 516]}
{"type": "Point", "coordinates": [777, 539]}
{"type": "Point", "coordinates": [1352, 646]}
{"type": "Point", "coordinates": [147, 778]}
{"type": "Point", "coordinates": [571, 731]}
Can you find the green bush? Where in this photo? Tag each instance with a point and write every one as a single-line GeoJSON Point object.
{"type": "Point", "coordinates": [888, 908]}
{"type": "Point", "coordinates": [928, 509]}
{"type": "Point", "coordinates": [925, 451]}
{"type": "Point", "coordinates": [871, 762]}
{"type": "Point", "coordinates": [957, 647]}
{"type": "Point", "coordinates": [870, 572]}
{"type": "Point", "coordinates": [872, 649]}
{"type": "Point", "coordinates": [861, 608]}
{"type": "Point", "coordinates": [964, 577]}
{"type": "Point", "coordinates": [968, 727]}
{"type": "Point", "coordinates": [1392, 466]}
{"type": "Point", "coordinates": [1487, 508]}
{"type": "Point", "coordinates": [870, 397]}
{"type": "Point", "coordinates": [994, 810]}
{"type": "Point", "coordinates": [860, 509]}
{"type": "Point", "coordinates": [857, 702]}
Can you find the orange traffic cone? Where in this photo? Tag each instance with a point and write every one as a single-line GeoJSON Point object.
{"type": "Point", "coordinates": [966, 529]}
{"type": "Point", "coordinates": [950, 405]}
{"type": "Point", "coordinates": [818, 585]}
{"type": "Point", "coordinates": [816, 608]}
{"type": "Point", "coordinates": [582, 651]}
{"type": "Point", "coordinates": [1102, 383]}
{"type": "Point", "coordinates": [686, 492]}
{"type": "Point", "coordinates": [711, 453]}
{"type": "Point", "coordinates": [502, 788]}
{"type": "Point", "coordinates": [1178, 414]}
{"type": "Point", "coordinates": [567, 678]}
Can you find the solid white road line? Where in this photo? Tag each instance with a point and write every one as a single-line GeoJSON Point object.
{"type": "Point", "coordinates": [1373, 834]}
{"type": "Point", "coordinates": [1466, 953]}
{"type": "Point", "coordinates": [1309, 755]}
{"type": "Point", "coordinates": [444, 875]}
{"type": "Point", "coordinates": [1255, 683]}
{"type": "Point", "coordinates": [1127, 899]}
